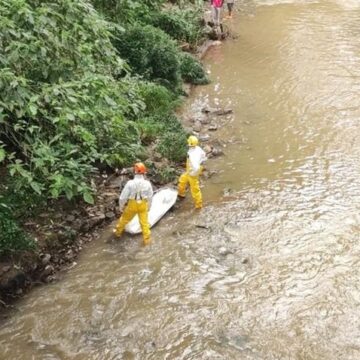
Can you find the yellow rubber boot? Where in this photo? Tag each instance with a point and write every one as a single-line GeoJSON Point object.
{"type": "Point", "coordinates": [142, 210]}
{"type": "Point", "coordinates": [127, 215]}
{"type": "Point", "coordinates": [182, 185]}
{"type": "Point", "coordinates": [195, 191]}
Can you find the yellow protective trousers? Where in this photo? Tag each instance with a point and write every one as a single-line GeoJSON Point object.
{"type": "Point", "coordinates": [194, 183]}
{"type": "Point", "coordinates": [132, 208]}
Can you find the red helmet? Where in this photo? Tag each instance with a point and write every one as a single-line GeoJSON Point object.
{"type": "Point", "coordinates": [140, 168]}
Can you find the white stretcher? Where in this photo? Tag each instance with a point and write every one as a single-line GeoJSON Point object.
{"type": "Point", "coordinates": [162, 202]}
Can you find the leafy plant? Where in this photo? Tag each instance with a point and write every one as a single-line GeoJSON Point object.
{"type": "Point", "coordinates": [157, 98]}
{"type": "Point", "coordinates": [151, 53]}
{"type": "Point", "coordinates": [61, 108]}
{"type": "Point", "coordinates": [172, 145]}
{"type": "Point", "coordinates": [164, 174]}
{"type": "Point", "coordinates": [12, 237]}
{"type": "Point", "coordinates": [192, 70]}
{"type": "Point", "coordinates": [180, 24]}
{"type": "Point", "coordinates": [128, 11]}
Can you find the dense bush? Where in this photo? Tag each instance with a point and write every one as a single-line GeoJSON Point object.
{"type": "Point", "coordinates": [69, 100]}
{"type": "Point", "coordinates": [61, 110]}
{"type": "Point", "coordinates": [192, 70]}
{"type": "Point", "coordinates": [151, 53]}
{"type": "Point", "coordinates": [172, 144]}
{"type": "Point", "coordinates": [128, 11]}
{"type": "Point", "coordinates": [157, 99]}
{"type": "Point", "coordinates": [12, 238]}
{"type": "Point", "coordinates": [182, 25]}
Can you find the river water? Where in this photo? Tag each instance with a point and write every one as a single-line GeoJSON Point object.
{"type": "Point", "coordinates": [270, 268]}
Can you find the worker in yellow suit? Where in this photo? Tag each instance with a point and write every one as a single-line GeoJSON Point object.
{"type": "Point", "coordinates": [134, 199]}
{"type": "Point", "coordinates": [196, 156]}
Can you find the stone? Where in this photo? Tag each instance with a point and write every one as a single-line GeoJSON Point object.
{"type": "Point", "coordinates": [45, 259]}
{"type": "Point", "coordinates": [70, 218]}
{"type": "Point", "coordinates": [207, 110]}
{"type": "Point", "coordinates": [204, 137]}
{"type": "Point", "coordinates": [217, 152]}
{"type": "Point", "coordinates": [213, 128]}
{"type": "Point", "coordinates": [5, 269]}
{"type": "Point", "coordinates": [197, 126]}
{"type": "Point", "coordinates": [224, 251]}
{"type": "Point", "coordinates": [204, 119]}
{"type": "Point", "coordinates": [70, 254]}
{"type": "Point", "coordinates": [110, 215]}
{"type": "Point", "coordinates": [221, 112]}
{"type": "Point", "coordinates": [49, 269]}
{"type": "Point", "coordinates": [118, 182]}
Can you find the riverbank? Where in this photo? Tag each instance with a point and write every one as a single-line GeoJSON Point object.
{"type": "Point", "coordinates": [63, 228]}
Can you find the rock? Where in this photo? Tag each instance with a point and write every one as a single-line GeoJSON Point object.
{"type": "Point", "coordinates": [197, 126]}
{"type": "Point", "coordinates": [185, 46]}
{"type": "Point", "coordinates": [13, 280]}
{"type": "Point", "coordinates": [157, 156]}
{"type": "Point", "coordinates": [5, 269]}
{"type": "Point", "coordinates": [70, 254]}
{"type": "Point", "coordinates": [45, 259]}
{"type": "Point", "coordinates": [217, 152]}
{"type": "Point", "coordinates": [209, 173]}
{"type": "Point", "coordinates": [207, 149]}
{"type": "Point", "coordinates": [50, 278]}
{"type": "Point", "coordinates": [221, 112]}
{"type": "Point", "coordinates": [202, 226]}
{"type": "Point", "coordinates": [227, 191]}
{"type": "Point", "coordinates": [207, 110]}
{"type": "Point", "coordinates": [77, 224]}
{"type": "Point", "coordinates": [186, 89]}
{"type": "Point", "coordinates": [70, 218]}
{"type": "Point", "coordinates": [117, 182]}
{"type": "Point", "coordinates": [224, 251]}
{"type": "Point", "coordinates": [110, 215]}
{"type": "Point", "coordinates": [213, 128]}
{"type": "Point", "coordinates": [204, 137]}
{"type": "Point", "coordinates": [216, 43]}
{"type": "Point", "coordinates": [92, 222]}
{"type": "Point", "coordinates": [204, 120]}
{"type": "Point", "coordinates": [19, 291]}
{"type": "Point", "coordinates": [126, 171]}
{"type": "Point", "coordinates": [49, 269]}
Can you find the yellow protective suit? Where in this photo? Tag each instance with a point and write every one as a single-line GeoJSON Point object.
{"type": "Point", "coordinates": [194, 183]}
{"type": "Point", "coordinates": [133, 207]}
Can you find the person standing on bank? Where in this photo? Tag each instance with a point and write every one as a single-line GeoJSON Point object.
{"type": "Point", "coordinates": [216, 6]}
{"type": "Point", "coordinates": [230, 6]}
{"type": "Point", "coordinates": [195, 157]}
{"type": "Point", "coordinates": [135, 199]}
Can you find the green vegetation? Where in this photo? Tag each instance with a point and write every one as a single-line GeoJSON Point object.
{"type": "Point", "coordinates": [152, 54]}
{"type": "Point", "coordinates": [12, 238]}
{"type": "Point", "coordinates": [86, 85]}
{"type": "Point", "coordinates": [192, 71]}
{"type": "Point", "coordinates": [182, 25]}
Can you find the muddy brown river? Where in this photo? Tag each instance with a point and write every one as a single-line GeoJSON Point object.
{"type": "Point", "coordinates": [270, 269]}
